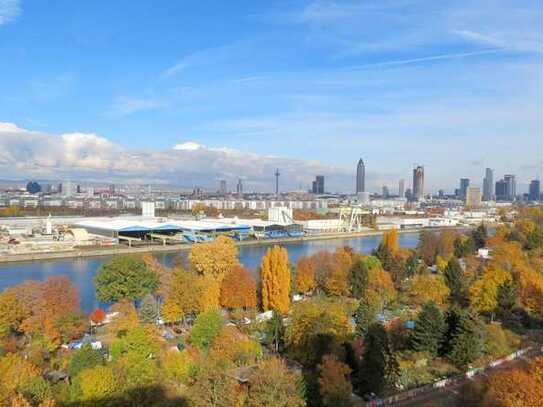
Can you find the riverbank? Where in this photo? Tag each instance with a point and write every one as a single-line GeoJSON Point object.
{"type": "Point", "coordinates": [124, 250]}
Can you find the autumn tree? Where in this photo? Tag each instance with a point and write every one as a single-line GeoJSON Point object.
{"type": "Point", "coordinates": [389, 245]}
{"type": "Point", "coordinates": [238, 289]}
{"type": "Point", "coordinates": [315, 327]}
{"type": "Point", "coordinates": [50, 309]}
{"type": "Point", "coordinates": [334, 382]}
{"type": "Point", "coordinates": [428, 246]}
{"type": "Point", "coordinates": [97, 316]}
{"type": "Point", "coordinates": [305, 275]}
{"type": "Point", "coordinates": [273, 384]}
{"type": "Point", "coordinates": [124, 277]}
{"type": "Point", "coordinates": [139, 341]}
{"type": "Point", "coordinates": [429, 331]}
{"type": "Point", "coordinates": [428, 287]}
{"type": "Point", "coordinates": [484, 292]}
{"type": "Point", "coordinates": [15, 371]}
{"type": "Point", "coordinates": [463, 247]}
{"type": "Point", "coordinates": [275, 275]}
{"type": "Point", "coordinates": [171, 312]}
{"type": "Point", "coordinates": [512, 388]}
{"type": "Point", "coordinates": [126, 317]}
{"type": "Point", "coordinates": [337, 278]}
{"type": "Point", "coordinates": [380, 289]}
{"type": "Point", "coordinates": [97, 383]}
{"type": "Point", "coordinates": [211, 385]}
{"type": "Point", "coordinates": [391, 256]}
{"type": "Point", "coordinates": [163, 274]}
{"type": "Point", "coordinates": [84, 358]}
{"type": "Point", "coordinates": [235, 346]}
{"type": "Point", "coordinates": [215, 258]}
{"type": "Point", "coordinates": [445, 244]}
{"type": "Point", "coordinates": [190, 294]}
{"type": "Point", "coordinates": [12, 312]}
{"type": "Point", "coordinates": [207, 327]}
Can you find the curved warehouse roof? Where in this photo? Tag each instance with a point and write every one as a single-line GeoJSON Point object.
{"type": "Point", "coordinates": [146, 225]}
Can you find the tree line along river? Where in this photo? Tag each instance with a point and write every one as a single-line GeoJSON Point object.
{"type": "Point", "coordinates": [81, 271]}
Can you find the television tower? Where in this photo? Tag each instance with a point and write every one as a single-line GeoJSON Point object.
{"type": "Point", "coordinates": [277, 174]}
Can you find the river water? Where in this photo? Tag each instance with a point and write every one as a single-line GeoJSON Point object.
{"type": "Point", "coordinates": [81, 271]}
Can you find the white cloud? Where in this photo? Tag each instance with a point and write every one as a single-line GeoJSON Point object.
{"type": "Point", "coordinates": [188, 146]}
{"type": "Point", "coordinates": [125, 105]}
{"type": "Point", "coordinates": [9, 10]}
{"type": "Point", "coordinates": [83, 156]}
{"type": "Point", "coordinates": [175, 69]}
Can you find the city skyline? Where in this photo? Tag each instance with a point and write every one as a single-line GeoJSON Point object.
{"type": "Point", "coordinates": [422, 84]}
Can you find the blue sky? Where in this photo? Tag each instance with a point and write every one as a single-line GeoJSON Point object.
{"type": "Point", "coordinates": [306, 85]}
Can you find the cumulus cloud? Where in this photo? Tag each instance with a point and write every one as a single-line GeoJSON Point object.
{"type": "Point", "coordinates": [83, 156]}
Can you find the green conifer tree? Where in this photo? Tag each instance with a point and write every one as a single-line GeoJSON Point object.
{"type": "Point", "coordinates": [379, 367]}
{"type": "Point", "coordinates": [429, 331]}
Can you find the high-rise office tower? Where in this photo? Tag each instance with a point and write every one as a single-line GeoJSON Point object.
{"type": "Point", "coordinates": [239, 187]}
{"type": "Point", "coordinates": [360, 177]}
{"type": "Point", "coordinates": [511, 184]}
{"type": "Point", "coordinates": [488, 185]}
{"type": "Point", "coordinates": [473, 197]}
{"type": "Point", "coordinates": [386, 192]}
{"type": "Point", "coordinates": [464, 185]}
{"type": "Point", "coordinates": [535, 190]}
{"type": "Point", "coordinates": [418, 182]}
{"type": "Point", "coordinates": [222, 187]}
{"type": "Point", "coordinates": [501, 190]}
{"type": "Point", "coordinates": [401, 188]}
{"type": "Point", "coordinates": [318, 185]}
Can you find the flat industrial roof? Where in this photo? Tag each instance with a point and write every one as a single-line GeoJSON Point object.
{"type": "Point", "coordinates": [152, 225]}
{"type": "Point", "coordinates": [249, 222]}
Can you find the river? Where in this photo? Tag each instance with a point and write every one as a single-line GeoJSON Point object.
{"type": "Point", "coordinates": [81, 271]}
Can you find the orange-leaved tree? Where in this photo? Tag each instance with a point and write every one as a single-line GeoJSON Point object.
{"type": "Point", "coordinates": [514, 388]}
{"type": "Point", "coordinates": [305, 275]}
{"type": "Point", "coordinates": [335, 385]}
{"type": "Point", "coordinates": [275, 276]}
{"type": "Point", "coordinates": [238, 289]}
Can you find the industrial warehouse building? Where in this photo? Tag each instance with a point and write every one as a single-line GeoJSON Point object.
{"type": "Point", "coordinates": [140, 228]}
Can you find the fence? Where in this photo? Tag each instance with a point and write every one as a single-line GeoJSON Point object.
{"type": "Point", "coordinates": [411, 394]}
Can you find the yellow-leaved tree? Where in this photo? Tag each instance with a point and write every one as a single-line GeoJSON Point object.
{"type": "Point", "coordinates": [428, 287]}
{"type": "Point", "coordinates": [305, 275]}
{"type": "Point", "coordinates": [484, 292]}
{"type": "Point", "coordinates": [214, 258]}
{"type": "Point", "coordinates": [381, 290]}
{"type": "Point", "coordinates": [190, 293]}
{"type": "Point", "coordinates": [275, 275]}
